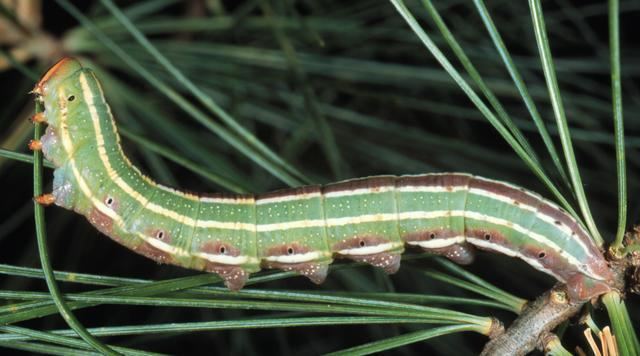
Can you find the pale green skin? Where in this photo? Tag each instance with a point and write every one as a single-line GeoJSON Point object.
{"type": "Point", "coordinates": [400, 207]}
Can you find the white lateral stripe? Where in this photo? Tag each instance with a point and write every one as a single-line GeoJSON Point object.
{"type": "Point", "coordinates": [298, 224]}
{"type": "Point", "coordinates": [438, 242]}
{"type": "Point", "coordinates": [177, 192]}
{"type": "Point", "coordinates": [173, 250]}
{"type": "Point", "coordinates": [296, 258]}
{"type": "Point", "coordinates": [549, 220]}
{"type": "Point", "coordinates": [502, 198]}
{"type": "Point", "coordinates": [369, 250]}
{"type": "Point", "coordinates": [541, 239]}
{"type": "Point", "coordinates": [235, 225]}
{"type": "Point", "coordinates": [361, 219]}
{"type": "Point", "coordinates": [226, 259]}
{"type": "Point", "coordinates": [361, 191]}
{"type": "Point", "coordinates": [501, 249]}
{"type": "Point", "coordinates": [525, 191]}
{"type": "Point", "coordinates": [546, 218]}
{"type": "Point", "coordinates": [286, 198]}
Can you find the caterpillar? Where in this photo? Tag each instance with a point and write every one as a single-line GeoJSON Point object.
{"type": "Point", "coordinates": [302, 229]}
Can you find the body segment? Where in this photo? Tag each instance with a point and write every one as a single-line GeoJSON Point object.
{"type": "Point", "coordinates": [370, 220]}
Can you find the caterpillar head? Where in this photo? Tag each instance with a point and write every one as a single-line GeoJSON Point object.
{"type": "Point", "coordinates": [56, 74]}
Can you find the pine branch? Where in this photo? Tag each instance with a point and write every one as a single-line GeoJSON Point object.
{"type": "Point", "coordinates": [535, 323]}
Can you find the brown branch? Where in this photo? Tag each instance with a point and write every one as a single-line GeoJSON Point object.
{"type": "Point", "coordinates": [538, 319]}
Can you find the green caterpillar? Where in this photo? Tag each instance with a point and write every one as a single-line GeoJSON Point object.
{"type": "Point", "coordinates": [302, 229]}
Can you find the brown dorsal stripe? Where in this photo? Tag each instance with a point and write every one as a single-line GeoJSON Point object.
{"type": "Point", "coordinates": [361, 183]}
{"type": "Point", "coordinates": [221, 196]}
{"type": "Point", "coordinates": [434, 180]}
{"type": "Point", "coordinates": [311, 189]}
{"type": "Point", "coordinates": [517, 194]}
{"type": "Point", "coordinates": [532, 199]}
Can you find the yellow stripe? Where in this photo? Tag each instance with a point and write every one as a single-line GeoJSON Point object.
{"type": "Point", "coordinates": [439, 242]}
{"type": "Point", "coordinates": [505, 251]}
{"type": "Point", "coordinates": [297, 258]}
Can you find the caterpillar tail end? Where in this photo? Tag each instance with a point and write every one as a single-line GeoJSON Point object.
{"type": "Point", "coordinates": [581, 287]}
{"type": "Point", "coordinates": [45, 199]}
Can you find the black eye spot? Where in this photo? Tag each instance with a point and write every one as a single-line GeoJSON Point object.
{"type": "Point", "coordinates": [290, 251]}
{"type": "Point", "coordinates": [362, 243]}
{"type": "Point", "coordinates": [223, 250]}
{"type": "Point", "coordinates": [109, 201]}
{"type": "Point", "coordinates": [542, 255]}
{"type": "Point", "coordinates": [557, 222]}
{"type": "Point", "coordinates": [160, 234]}
{"type": "Point", "coordinates": [487, 237]}
{"type": "Point", "coordinates": [71, 98]}
{"type": "Point", "coordinates": [432, 235]}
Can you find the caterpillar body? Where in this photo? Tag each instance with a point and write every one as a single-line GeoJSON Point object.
{"type": "Point", "coordinates": [370, 220]}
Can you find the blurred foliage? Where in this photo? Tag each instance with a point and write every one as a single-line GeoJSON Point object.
{"type": "Point", "coordinates": [261, 95]}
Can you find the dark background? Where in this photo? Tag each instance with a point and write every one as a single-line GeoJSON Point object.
{"type": "Point", "coordinates": [401, 114]}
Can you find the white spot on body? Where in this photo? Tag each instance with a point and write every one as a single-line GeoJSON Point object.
{"type": "Point", "coordinates": [370, 250]}
{"type": "Point", "coordinates": [226, 259]}
{"type": "Point", "coordinates": [438, 243]}
{"type": "Point", "coordinates": [296, 258]}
